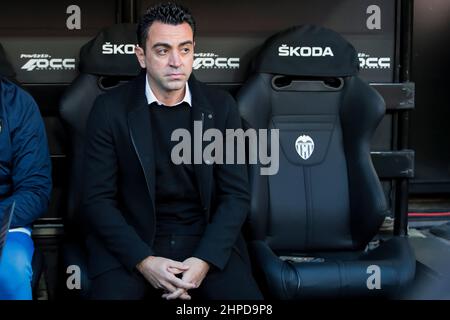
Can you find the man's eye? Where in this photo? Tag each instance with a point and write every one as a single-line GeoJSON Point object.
{"type": "Point", "coordinates": [185, 50]}
{"type": "Point", "coordinates": [161, 52]}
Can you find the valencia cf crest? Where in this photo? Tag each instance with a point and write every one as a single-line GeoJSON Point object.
{"type": "Point", "coordinates": [304, 146]}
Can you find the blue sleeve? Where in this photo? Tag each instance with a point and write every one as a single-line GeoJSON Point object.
{"type": "Point", "coordinates": [30, 163]}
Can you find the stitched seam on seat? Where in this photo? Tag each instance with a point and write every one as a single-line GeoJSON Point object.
{"type": "Point", "coordinates": [299, 278]}
{"type": "Point", "coordinates": [291, 265]}
{"type": "Point", "coordinates": [311, 209]}
{"type": "Point", "coordinates": [341, 277]}
{"type": "Point", "coordinates": [308, 198]}
{"type": "Point", "coordinates": [306, 206]}
{"type": "Point", "coordinates": [283, 280]}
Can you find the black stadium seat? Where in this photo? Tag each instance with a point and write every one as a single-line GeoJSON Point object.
{"type": "Point", "coordinates": [6, 69]}
{"type": "Point", "coordinates": [310, 223]}
{"type": "Point", "coordinates": [106, 61]}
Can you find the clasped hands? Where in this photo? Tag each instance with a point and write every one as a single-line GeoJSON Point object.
{"type": "Point", "coordinates": [162, 274]}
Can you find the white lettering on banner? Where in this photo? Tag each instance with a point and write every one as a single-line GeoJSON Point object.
{"type": "Point", "coordinates": [368, 62]}
{"type": "Point", "coordinates": [46, 62]}
{"type": "Point", "coordinates": [109, 48]}
{"type": "Point", "coordinates": [288, 51]}
{"type": "Point", "coordinates": [209, 60]}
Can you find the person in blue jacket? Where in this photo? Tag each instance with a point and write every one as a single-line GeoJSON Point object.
{"type": "Point", "coordinates": [25, 178]}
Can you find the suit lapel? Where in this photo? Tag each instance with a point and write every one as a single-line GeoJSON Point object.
{"type": "Point", "coordinates": [201, 111]}
{"type": "Point", "coordinates": [139, 124]}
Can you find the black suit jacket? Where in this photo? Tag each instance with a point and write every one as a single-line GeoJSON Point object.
{"type": "Point", "coordinates": [119, 179]}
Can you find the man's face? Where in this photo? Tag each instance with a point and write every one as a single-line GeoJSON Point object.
{"type": "Point", "coordinates": [168, 57]}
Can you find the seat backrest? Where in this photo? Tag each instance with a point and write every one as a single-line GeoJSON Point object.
{"type": "Point", "coordinates": [326, 194]}
{"type": "Point", "coordinates": [6, 69]}
{"type": "Point", "coordinates": [106, 61]}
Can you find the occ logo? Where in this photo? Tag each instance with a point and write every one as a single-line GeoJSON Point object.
{"type": "Point", "coordinates": [368, 62]}
{"type": "Point", "coordinates": [46, 62]}
{"type": "Point", "coordinates": [213, 61]}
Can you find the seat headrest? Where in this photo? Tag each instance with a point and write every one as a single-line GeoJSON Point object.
{"type": "Point", "coordinates": [6, 69]}
{"type": "Point", "coordinates": [307, 51]}
{"type": "Point", "coordinates": [111, 52]}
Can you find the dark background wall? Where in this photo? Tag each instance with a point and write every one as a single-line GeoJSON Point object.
{"type": "Point", "coordinates": [430, 121]}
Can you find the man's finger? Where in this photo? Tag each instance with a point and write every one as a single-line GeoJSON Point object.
{"type": "Point", "coordinates": [185, 296]}
{"type": "Point", "coordinates": [167, 286]}
{"type": "Point", "coordinates": [178, 265]}
{"type": "Point", "coordinates": [177, 282]}
{"type": "Point", "coordinates": [175, 270]}
{"type": "Point", "coordinates": [187, 278]}
{"type": "Point", "coordinates": [175, 295]}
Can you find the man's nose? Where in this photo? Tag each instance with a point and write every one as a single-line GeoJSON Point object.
{"type": "Point", "coordinates": [175, 59]}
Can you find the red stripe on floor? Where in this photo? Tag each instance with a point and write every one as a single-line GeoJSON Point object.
{"type": "Point", "coordinates": [429, 214]}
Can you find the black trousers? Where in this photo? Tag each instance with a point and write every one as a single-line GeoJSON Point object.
{"type": "Point", "coordinates": [235, 282]}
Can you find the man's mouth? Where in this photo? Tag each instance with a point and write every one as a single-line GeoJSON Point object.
{"type": "Point", "coordinates": [175, 75]}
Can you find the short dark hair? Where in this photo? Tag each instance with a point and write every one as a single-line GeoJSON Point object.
{"type": "Point", "coordinates": [169, 13]}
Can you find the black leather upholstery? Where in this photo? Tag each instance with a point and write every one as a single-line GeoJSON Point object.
{"type": "Point", "coordinates": [6, 69]}
{"type": "Point", "coordinates": [328, 205]}
{"type": "Point", "coordinates": [38, 264]}
{"type": "Point", "coordinates": [98, 73]}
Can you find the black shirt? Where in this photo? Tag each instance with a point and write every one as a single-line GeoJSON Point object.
{"type": "Point", "coordinates": [177, 198]}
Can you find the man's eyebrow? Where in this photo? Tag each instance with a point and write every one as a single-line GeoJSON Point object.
{"type": "Point", "coordinates": [161, 44]}
{"type": "Point", "coordinates": [185, 43]}
{"type": "Point", "coordinates": [166, 45]}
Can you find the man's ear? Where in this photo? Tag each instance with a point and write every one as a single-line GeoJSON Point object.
{"type": "Point", "coordinates": [140, 54]}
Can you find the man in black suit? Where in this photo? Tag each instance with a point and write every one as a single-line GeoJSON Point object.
{"type": "Point", "coordinates": [153, 223]}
